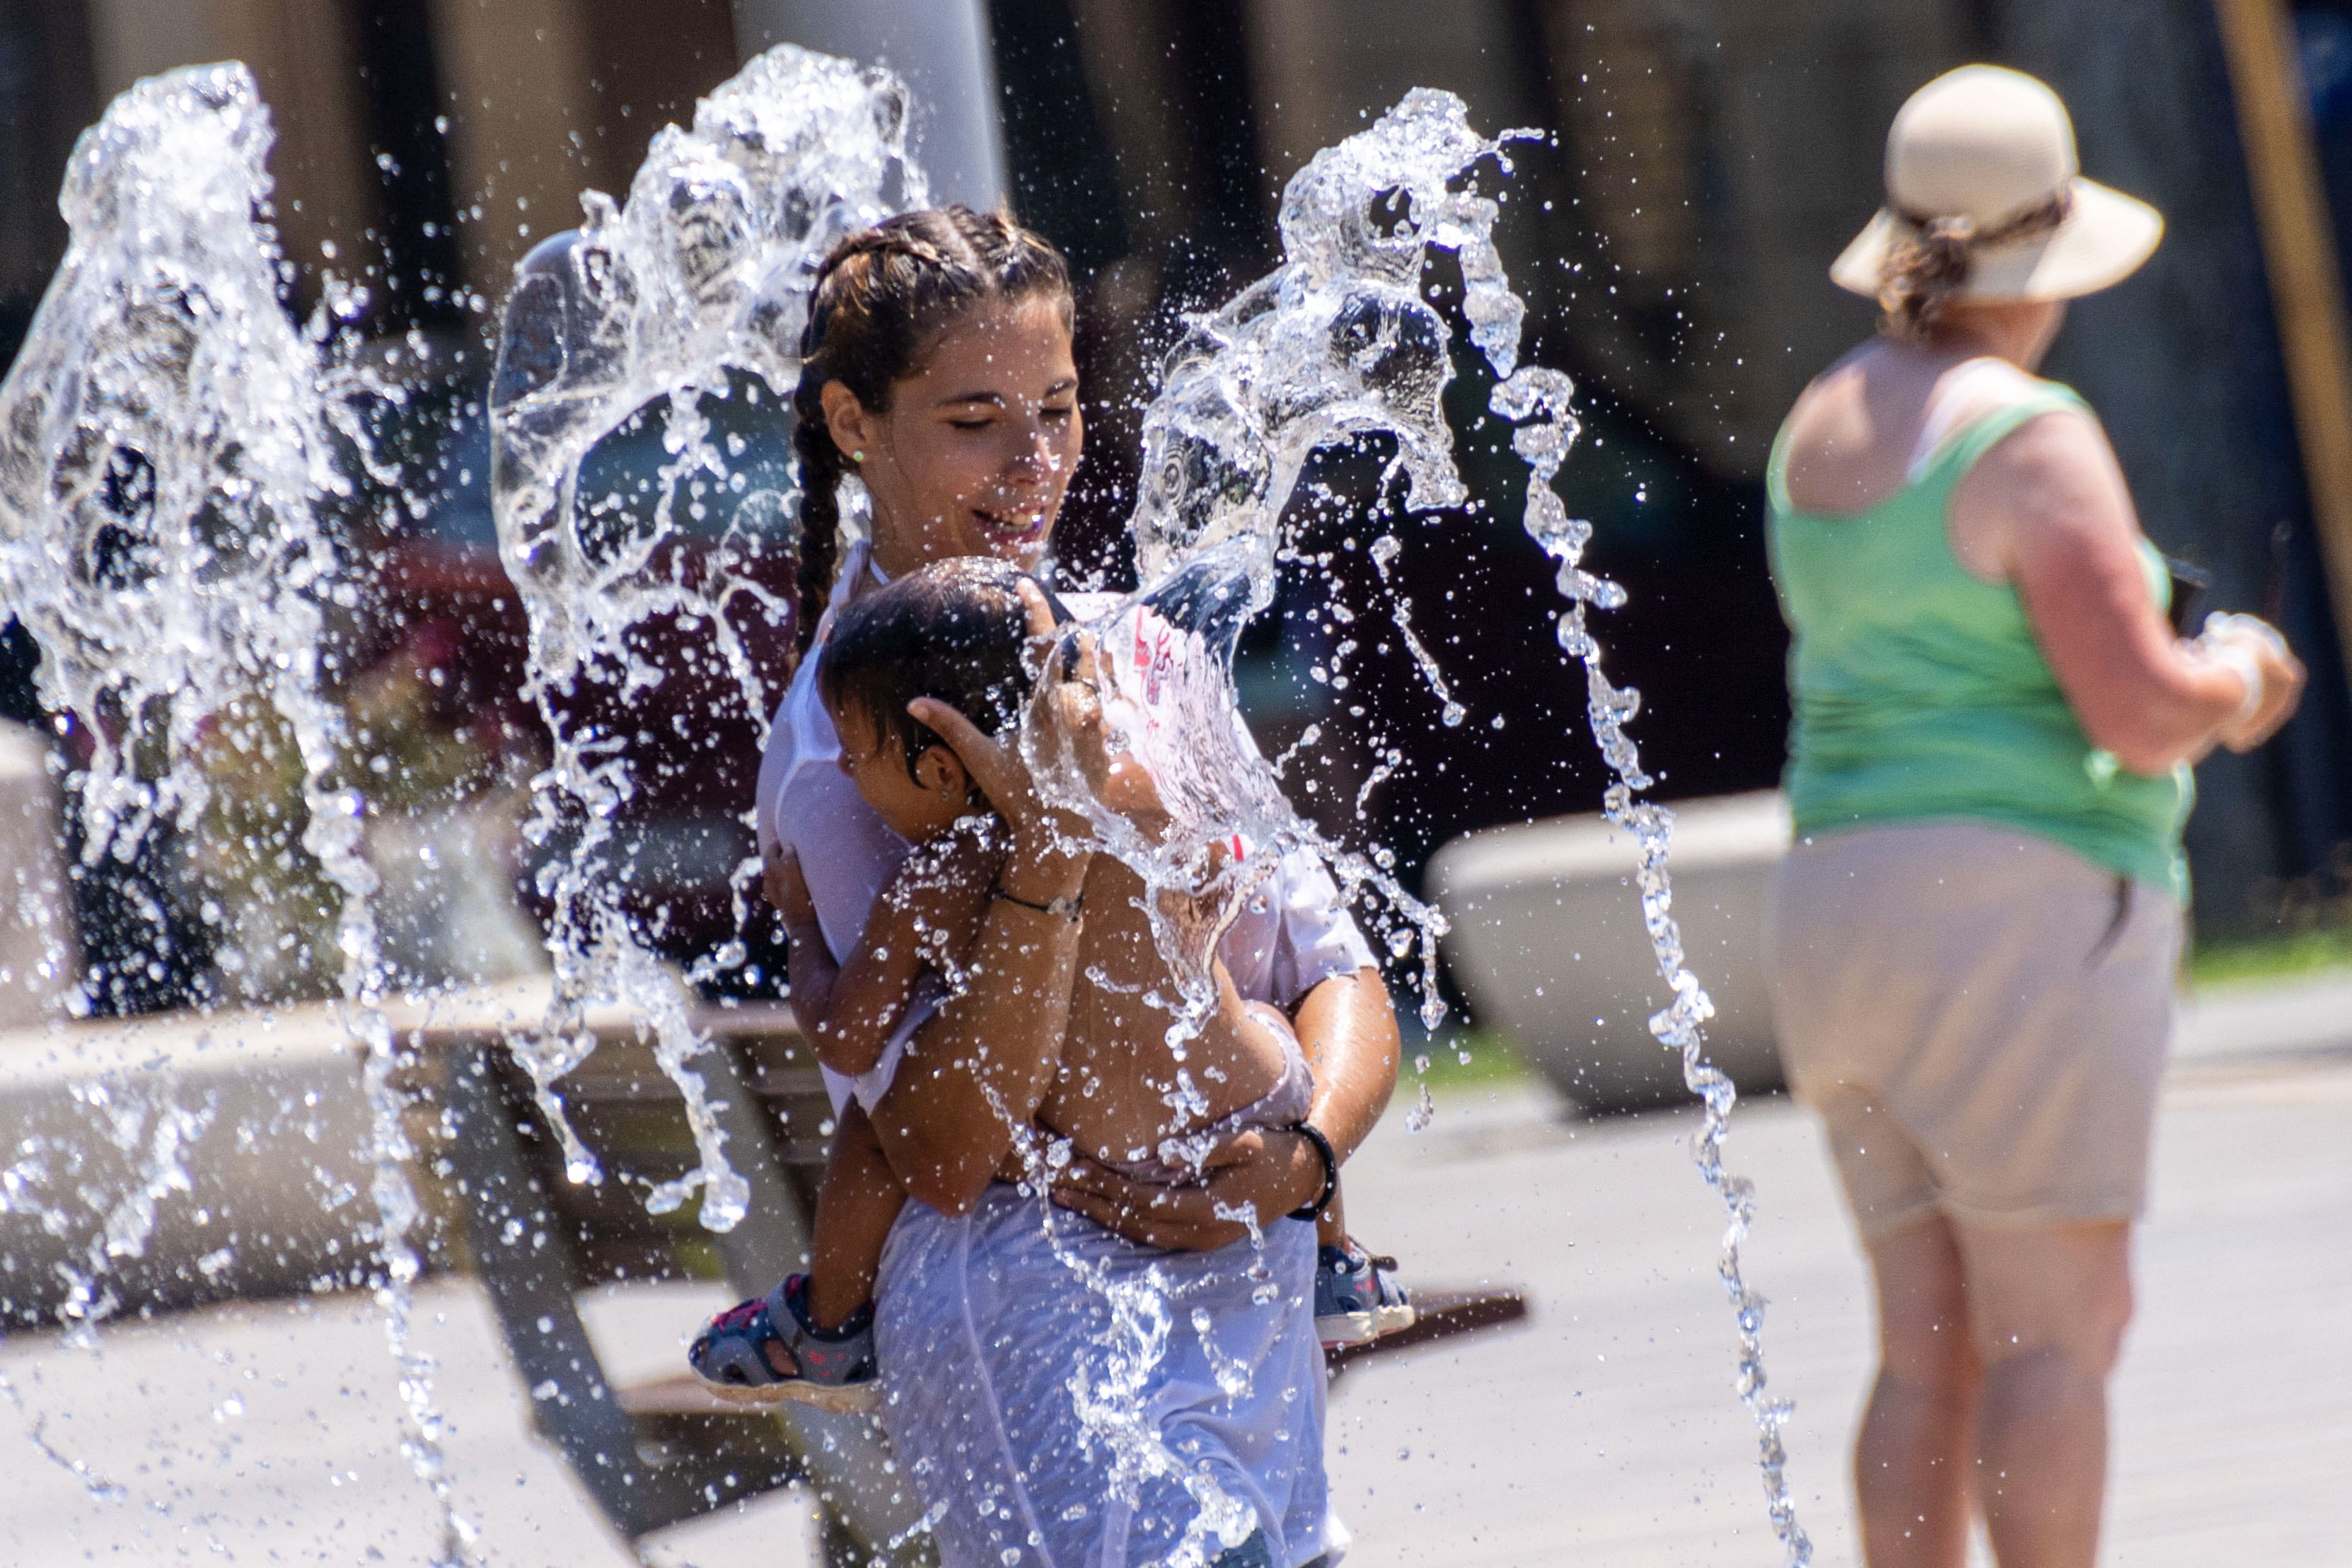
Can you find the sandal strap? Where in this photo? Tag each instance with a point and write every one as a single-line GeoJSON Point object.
{"type": "Point", "coordinates": [751, 1326]}
{"type": "Point", "coordinates": [824, 1355]}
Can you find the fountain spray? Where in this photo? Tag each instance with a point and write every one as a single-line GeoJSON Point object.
{"type": "Point", "coordinates": [167, 442]}
{"type": "Point", "coordinates": [696, 289]}
{"type": "Point", "coordinates": [1335, 345]}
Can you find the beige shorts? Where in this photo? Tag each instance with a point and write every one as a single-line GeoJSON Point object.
{"type": "Point", "coordinates": [1979, 1015]}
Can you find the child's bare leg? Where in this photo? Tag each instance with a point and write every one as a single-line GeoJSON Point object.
{"type": "Point", "coordinates": [856, 1207]}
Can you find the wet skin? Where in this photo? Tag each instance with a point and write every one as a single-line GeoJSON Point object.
{"type": "Point", "coordinates": [1118, 1093]}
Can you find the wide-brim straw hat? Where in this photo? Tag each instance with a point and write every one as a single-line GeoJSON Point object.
{"type": "Point", "coordinates": [1991, 145]}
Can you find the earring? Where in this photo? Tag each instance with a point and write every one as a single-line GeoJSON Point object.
{"type": "Point", "coordinates": [858, 456]}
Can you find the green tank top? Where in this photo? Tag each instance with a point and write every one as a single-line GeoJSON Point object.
{"type": "Point", "coordinates": [1920, 694]}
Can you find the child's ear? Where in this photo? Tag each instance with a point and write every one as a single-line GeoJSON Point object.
{"type": "Point", "coordinates": [941, 772]}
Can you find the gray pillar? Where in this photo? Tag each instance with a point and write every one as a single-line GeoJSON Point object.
{"type": "Point", "coordinates": [37, 963]}
{"type": "Point", "coordinates": [940, 46]}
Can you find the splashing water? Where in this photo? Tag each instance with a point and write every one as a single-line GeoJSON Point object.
{"type": "Point", "coordinates": [93, 1481]}
{"type": "Point", "coordinates": [167, 438]}
{"type": "Point", "coordinates": [163, 441]}
{"type": "Point", "coordinates": [1335, 345]}
{"type": "Point", "coordinates": [159, 1132]}
{"type": "Point", "coordinates": [1539, 400]}
{"type": "Point", "coordinates": [680, 308]}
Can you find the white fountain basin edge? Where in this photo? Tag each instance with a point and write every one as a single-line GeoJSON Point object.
{"type": "Point", "coordinates": [1548, 946]}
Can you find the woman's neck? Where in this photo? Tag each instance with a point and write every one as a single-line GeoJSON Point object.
{"type": "Point", "coordinates": [2018, 331]}
{"type": "Point", "coordinates": [894, 555]}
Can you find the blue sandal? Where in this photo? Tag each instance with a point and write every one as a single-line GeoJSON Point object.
{"type": "Point", "coordinates": [765, 1351]}
{"type": "Point", "coordinates": [1357, 1297]}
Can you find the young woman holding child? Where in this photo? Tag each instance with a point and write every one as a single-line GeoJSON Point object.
{"type": "Point", "coordinates": [986, 986]}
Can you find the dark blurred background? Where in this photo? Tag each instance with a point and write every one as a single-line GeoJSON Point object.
{"type": "Point", "coordinates": [1707, 159]}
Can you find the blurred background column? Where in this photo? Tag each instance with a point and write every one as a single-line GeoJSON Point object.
{"type": "Point", "coordinates": [940, 46]}
{"type": "Point", "coordinates": [543, 98]}
{"type": "Point", "coordinates": [36, 934]}
{"type": "Point", "coordinates": [517, 88]}
{"type": "Point", "coordinates": [300, 53]}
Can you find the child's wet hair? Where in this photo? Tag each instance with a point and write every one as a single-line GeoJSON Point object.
{"type": "Point", "coordinates": [955, 630]}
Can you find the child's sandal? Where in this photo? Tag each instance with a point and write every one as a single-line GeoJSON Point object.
{"type": "Point", "coordinates": [738, 1352]}
{"type": "Point", "coordinates": [1357, 1297]}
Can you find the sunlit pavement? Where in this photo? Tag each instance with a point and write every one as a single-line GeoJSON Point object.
{"type": "Point", "coordinates": [1607, 1431]}
{"type": "Point", "coordinates": [268, 1433]}
{"type": "Point", "coordinates": [1603, 1431]}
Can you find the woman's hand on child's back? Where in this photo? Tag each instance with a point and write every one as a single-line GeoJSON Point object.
{"type": "Point", "coordinates": [1265, 1171]}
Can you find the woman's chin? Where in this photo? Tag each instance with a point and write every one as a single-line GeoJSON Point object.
{"type": "Point", "coordinates": [1022, 544]}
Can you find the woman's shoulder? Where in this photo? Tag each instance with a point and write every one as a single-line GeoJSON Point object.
{"type": "Point", "coordinates": [1882, 417]}
{"type": "Point", "coordinates": [1989, 385]}
{"type": "Point", "coordinates": [1840, 450]}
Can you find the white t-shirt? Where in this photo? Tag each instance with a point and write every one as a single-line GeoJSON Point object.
{"type": "Point", "coordinates": [1293, 935]}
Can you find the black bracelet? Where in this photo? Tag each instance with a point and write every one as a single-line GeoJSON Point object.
{"type": "Point", "coordinates": [1330, 1172]}
{"type": "Point", "coordinates": [1066, 906]}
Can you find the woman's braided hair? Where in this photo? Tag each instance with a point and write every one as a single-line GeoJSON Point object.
{"type": "Point", "coordinates": [1927, 271]}
{"type": "Point", "coordinates": [880, 297]}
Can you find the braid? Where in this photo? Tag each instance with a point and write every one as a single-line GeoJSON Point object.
{"type": "Point", "coordinates": [822, 467]}
{"type": "Point", "coordinates": [882, 295]}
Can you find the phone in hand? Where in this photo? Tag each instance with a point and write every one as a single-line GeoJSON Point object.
{"type": "Point", "coordinates": [2190, 584]}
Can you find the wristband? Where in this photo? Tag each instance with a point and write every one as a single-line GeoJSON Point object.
{"type": "Point", "coordinates": [1066, 906]}
{"type": "Point", "coordinates": [2232, 652]}
{"type": "Point", "coordinates": [1330, 1172]}
{"type": "Point", "coordinates": [2242, 664]}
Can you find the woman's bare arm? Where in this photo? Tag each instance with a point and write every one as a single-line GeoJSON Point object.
{"type": "Point", "coordinates": [2047, 508]}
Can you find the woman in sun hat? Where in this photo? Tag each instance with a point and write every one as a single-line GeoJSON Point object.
{"type": "Point", "coordinates": [1977, 934]}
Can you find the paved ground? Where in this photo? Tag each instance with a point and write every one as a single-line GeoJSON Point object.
{"type": "Point", "coordinates": [1607, 1432]}
{"type": "Point", "coordinates": [1604, 1431]}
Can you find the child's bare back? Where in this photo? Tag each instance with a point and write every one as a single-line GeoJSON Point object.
{"type": "Point", "coordinates": [1121, 1094]}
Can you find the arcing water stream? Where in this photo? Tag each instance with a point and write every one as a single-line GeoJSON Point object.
{"type": "Point", "coordinates": [169, 449]}
{"type": "Point", "coordinates": [692, 294]}
{"type": "Point", "coordinates": [170, 438]}
{"type": "Point", "coordinates": [1336, 345]}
